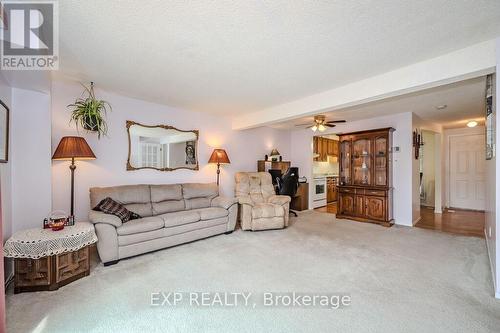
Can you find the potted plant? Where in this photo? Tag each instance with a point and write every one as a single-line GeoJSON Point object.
{"type": "Point", "coordinates": [89, 112]}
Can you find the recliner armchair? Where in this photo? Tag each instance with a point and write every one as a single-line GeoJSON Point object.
{"type": "Point", "coordinates": [260, 207]}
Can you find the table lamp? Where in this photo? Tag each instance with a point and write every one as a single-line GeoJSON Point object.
{"type": "Point", "coordinates": [219, 156]}
{"type": "Point", "coordinates": [73, 148]}
{"type": "Point", "coordinates": [274, 155]}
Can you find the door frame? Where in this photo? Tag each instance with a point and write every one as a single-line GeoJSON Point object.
{"type": "Point", "coordinates": [448, 134]}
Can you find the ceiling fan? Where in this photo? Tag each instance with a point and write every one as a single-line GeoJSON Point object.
{"type": "Point", "coordinates": [320, 123]}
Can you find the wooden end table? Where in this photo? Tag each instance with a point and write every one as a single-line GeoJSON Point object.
{"type": "Point", "coordinates": [46, 259]}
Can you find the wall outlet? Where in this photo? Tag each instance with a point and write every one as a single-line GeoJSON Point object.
{"type": "Point", "coordinates": [489, 232]}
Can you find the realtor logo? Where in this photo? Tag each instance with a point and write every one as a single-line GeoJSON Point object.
{"type": "Point", "coordinates": [29, 35]}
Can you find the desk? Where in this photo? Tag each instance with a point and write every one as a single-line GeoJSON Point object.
{"type": "Point", "coordinates": [301, 199]}
{"type": "Point", "coordinates": [266, 165]}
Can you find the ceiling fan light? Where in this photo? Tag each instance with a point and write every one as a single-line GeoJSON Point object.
{"type": "Point", "coordinates": [314, 128]}
{"type": "Point", "coordinates": [321, 128]}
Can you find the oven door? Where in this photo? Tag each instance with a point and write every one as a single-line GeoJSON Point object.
{"type": "Point", "coordinates": [319, 189]}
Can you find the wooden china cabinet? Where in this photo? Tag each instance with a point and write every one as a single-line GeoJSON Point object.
{"type": "Point", "coordinates": [365, 179]}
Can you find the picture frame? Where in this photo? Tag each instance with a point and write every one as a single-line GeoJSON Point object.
{"type": "Point", "coordinates": [4, 133]}
{"type": "Point", "coordinates": [191, 153]}
{"type": "Point", "coordinates": [490, 119]}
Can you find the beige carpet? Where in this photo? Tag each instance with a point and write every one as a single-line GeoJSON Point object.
{"type": "Point", "coordinates": [400, 280]}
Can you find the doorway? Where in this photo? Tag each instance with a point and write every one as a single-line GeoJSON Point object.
{"type": "Point", "coordinates": [464, 184]}
{"type": "Point", "coordinates": [430, 170]}
{"type": "Point", "coordinates": [325, 172]}
{"type": "Point", "coordinates": [467, 172]}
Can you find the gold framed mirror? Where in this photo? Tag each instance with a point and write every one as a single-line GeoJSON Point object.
{"type": "Point", "coordinates": [161, 147]}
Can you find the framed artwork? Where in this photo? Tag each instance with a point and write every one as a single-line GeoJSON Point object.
{"type": "Point", "coordinates": [191, 153]}
{"type": "Point", "coordinates": [4, 133]}
{"type": "Point", "coordinates": [490, 119]}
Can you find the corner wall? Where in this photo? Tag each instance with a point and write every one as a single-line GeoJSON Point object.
{"type": "Point", "coordinates": [26, 178]}
{"type": "Point", "coordinates": [418, 124]}
{"type": "Point", "coordinates": [6, 169]}
{"type": "Point", "coordinates": [492, 221]}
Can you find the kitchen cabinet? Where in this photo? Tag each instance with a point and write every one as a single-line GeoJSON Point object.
{"type": "Point", "coordinates": [331, 185]}
{"type": "Point", "coordinates": [324, 147]}
{"type": "Point", "coordinates": [333, 148]}
{"type": "Point", "coordinates": [365, 179]}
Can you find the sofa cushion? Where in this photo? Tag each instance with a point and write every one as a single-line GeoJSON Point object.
{"type": "Point", "coordinates": [212, 213]}
{"type": "Point", "coordinates": [143, 209]}
{"type": "Point", "coordinates": [167, 198]}
{"type": "Point", "coordinates": [136, 198]}
{"type": "Point", "coordinates": [180, 229]}
{"type": "Point", "coordinates": [256, 185]}
{"type": "Point", "coordinates": [141, 225]}
{"type": "Point", "coordinates": [199, 195]}
{"type": "Point", "coordinates": [265, 210]}
{"type": "Point", "coordinates": [140, 237]}
{"type": "Point", "coordinates": [179, 218]}
{"type": "Point", "coordinates": [168, 207]}
{"type": "Point", "coordinates": [166, 192]}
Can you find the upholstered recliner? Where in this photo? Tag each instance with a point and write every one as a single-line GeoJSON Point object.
{"type": "Point", "coordinates": [260, 207]}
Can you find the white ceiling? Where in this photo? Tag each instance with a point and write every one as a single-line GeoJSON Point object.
{"type": "Point", "coordinates": [232, 57]}
{"type": "Point", "coordinates": [464, 101]}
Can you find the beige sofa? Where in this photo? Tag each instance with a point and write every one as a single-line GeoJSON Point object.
{"type": "Point", "coordinates": [171, 215]}
{"type": "Point", "coordinates": [260, 207]}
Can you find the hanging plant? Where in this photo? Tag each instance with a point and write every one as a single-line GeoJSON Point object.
{"type": "Point", "coordinates": [89, 112]}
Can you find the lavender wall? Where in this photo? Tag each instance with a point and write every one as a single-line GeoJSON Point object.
{"type": "Point", "coordinates": [243, 147]}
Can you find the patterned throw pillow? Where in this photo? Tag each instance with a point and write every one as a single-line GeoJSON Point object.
{"type": "Point", "coordinates": [110, 206]}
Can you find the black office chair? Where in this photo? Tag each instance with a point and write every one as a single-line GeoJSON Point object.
{"type": "Point", "coordinates": [275, 175]}
{"type": "Point", "coordinates": [288, 184]}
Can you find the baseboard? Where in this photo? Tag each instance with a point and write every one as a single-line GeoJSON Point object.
{"type": "Point", "coordinates": [417, 220]}
{"type": "Point", "coordinates": [497, 293]}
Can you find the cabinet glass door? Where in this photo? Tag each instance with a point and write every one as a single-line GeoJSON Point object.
{"type": "Point", "coordinates": [381, 161]}
{"type": "Point", "coordinates": [345, 163]}
{"type": "Point", "coordinates": [361, 162]}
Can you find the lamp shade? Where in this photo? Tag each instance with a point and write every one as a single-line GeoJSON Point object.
{"type": "Point", "coordinates": [219, 156]}
{"type": "Point", "coordinates": [274, 152]}
{"type": "Point", "coordinates": [73, 147]}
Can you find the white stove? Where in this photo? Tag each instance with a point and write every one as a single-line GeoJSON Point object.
{"type": "Point", "coordinates": [319, 195]}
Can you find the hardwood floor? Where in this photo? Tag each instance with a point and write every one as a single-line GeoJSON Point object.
{"type": "Point", "coordinates": [461, 222]}
{"type": "Point", "coordinates": [330, 208]}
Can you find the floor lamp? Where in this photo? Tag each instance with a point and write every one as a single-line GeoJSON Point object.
{"type": "Point", "coordinates": [219, 156]}
{"type": "Point", "coordinates": [73, 148]}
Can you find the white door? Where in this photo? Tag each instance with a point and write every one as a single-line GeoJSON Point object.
{"type": "Point", "coordinates": [467, 174]}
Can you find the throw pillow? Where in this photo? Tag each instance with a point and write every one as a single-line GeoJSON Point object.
{"type": "Point", "coordinates": [110, 206]}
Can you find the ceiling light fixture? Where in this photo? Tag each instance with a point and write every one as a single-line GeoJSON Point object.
{"type": "Point", "coordinates": [472, 123]}
{"type": "Point", "coordinates": [321, 124]}
{"type": "Point", "coordinates": [441, 107]}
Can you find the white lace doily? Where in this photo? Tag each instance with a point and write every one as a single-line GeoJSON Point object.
{"type": "Point", "coordinates": [37, 243]}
